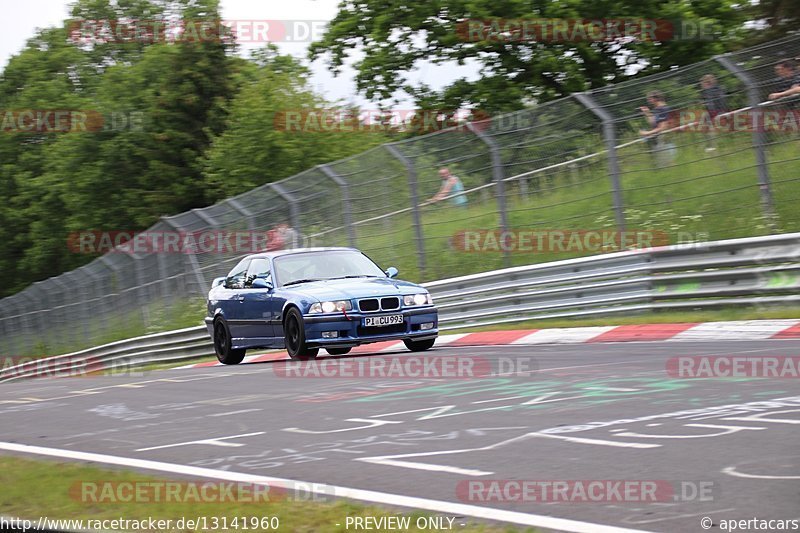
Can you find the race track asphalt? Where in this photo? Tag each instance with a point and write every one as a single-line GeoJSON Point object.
{"type": "Point", "coordinates": [574, 413]}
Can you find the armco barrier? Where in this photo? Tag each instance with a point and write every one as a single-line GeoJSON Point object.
{"type": "Point", "coordinates": [752, 271]}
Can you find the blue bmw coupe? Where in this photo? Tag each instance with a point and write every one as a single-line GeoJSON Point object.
{"type": "Point", "coordinates": [311, 298]}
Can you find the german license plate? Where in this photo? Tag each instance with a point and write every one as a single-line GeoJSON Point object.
{"type": "Point", "coordinates": [385, 320]}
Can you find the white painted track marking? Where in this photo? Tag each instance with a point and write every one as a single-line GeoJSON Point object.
{"type": "Point", "coordinates": [600, 442]}
{"type": "Point", "coordinates": [731, 471]}
{"type": "Point", "coordinates": [214, 441]}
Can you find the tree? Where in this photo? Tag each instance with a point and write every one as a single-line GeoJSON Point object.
{"type": "Point", "coordinates": [184, 124]}
{"type": "Point", "coordinates": [255, 149]}
{"type": "Point", "coordinates": [395, 36]}
{"type": "Point", "coordinates": [772, 19]}
{"type": "Point", "coordinates": [44, 76]}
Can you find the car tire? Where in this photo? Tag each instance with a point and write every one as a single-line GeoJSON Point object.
{"type": "Point", "coordinates": [294, 331]}
{"type": "Point", "coordinates": [222, 345]}
{"type": "Point", "coordinates": [338, 351]}
{"type": "Point", "coordinates": [419, 346]}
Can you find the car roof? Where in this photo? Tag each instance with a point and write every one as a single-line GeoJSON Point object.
{"type": "Point", "coordinates": [293, 251]}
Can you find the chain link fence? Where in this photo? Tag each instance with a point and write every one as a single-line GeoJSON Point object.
{"type": "Point", "coordinates": [566, 167]}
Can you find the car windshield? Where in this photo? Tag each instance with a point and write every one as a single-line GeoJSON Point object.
{"type": "Point", "coordinates": [314, 266]}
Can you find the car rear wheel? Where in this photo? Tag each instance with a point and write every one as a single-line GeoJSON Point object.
{"type": "Point", "coordinates": [222, 345]}
{"type": "Point", "coordinates": [419, 346]}
{"type": "Point", "coordinates": [338, 351]}
{"type": "Point", "coordinates": [295, 337]}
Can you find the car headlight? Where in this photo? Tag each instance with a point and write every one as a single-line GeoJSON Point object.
{"type": "Point", "coordinates": [423, 298]}
{"type": "Point", "coordinates": [331, 307]}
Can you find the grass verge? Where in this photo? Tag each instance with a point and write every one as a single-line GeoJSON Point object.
{"type": "Point", "coordinates": [33, 489]}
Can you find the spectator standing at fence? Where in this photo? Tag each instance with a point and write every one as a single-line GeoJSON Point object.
{"type": "Point", "coordinates": [451, 186]}
{"type": "Point", "coordinates": [715, 101]}
{"type": "Point", "coordinates": [282, 237]}
{"type": "Point", "coordinates": [659, 119]}
{"type": "Point", "coordinates": [288, 236]}
{"type": "Point", "coordinates": [788, 81]}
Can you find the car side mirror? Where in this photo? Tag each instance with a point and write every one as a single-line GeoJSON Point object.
{"type": "Point", "coordinates": [392, 272]}
{"type": "Point", "coordinates": [261, 283]}
{"type": "Point", "coordinates": [217, 282]}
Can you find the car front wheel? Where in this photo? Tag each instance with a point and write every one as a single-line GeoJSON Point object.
{"type": "Point", "coordinates": [418, 346]}
{"type": "Point", "coordinates": [295, 337]}
{"type": "Point", "coordinates": [222, 345]}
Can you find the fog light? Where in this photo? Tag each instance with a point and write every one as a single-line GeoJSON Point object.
{"type": "Point", "coordinates": [330, 334]}
{"type": "Point", "coordinates": [426, 325]}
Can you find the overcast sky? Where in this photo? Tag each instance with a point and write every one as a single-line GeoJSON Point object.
{"type": "Point", "coordinates": [21, 18]}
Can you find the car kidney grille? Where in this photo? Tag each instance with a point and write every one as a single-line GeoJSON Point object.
{"type": "Point", "coordinates": [388, 304]}
{"type": "Point", "coordinates": [369, 304]}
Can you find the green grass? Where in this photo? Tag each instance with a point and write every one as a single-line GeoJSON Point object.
{"type": "Point", "coordinates": [710, 197]}
{"type": "Point", "coordinates": [32, 489]}
{"type": "Point", "coordinates": [155, 318]}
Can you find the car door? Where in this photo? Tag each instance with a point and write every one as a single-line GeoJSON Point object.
{"type": "Point", "coordinates": [231, 298]}
{"type": "Point", "coordinates": [256, 315]}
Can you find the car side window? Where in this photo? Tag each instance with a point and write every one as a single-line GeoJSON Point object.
{"type": "Point", "coordinates": [237, 276]}
{"type": "Point", "coordinates": [259, 268]}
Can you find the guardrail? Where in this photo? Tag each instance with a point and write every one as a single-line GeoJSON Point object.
{"type": "Point", "coordinates": [752, 271]}
{"type": "Point", "coordinates": [758, 270]}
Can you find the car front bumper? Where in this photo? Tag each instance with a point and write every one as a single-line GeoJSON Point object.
{"type": "Point", "coordinates": [352, 332]}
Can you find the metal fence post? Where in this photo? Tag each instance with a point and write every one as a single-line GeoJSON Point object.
{"type": "Point", "coordinates": [759, 137]}
{"type": "Point", "coordinates": [348, 211]}
{"type": "Point", "coordinates": [142, 299]}
{"type": "Point", "coordinates": [294, 212]}
{"type": "Point", "coordinates": [113, 286]}
{"type": "Point", "coordinates": [43, 323]}
{"type": "Point", "coordinates": [9, 339]}
{"type": "Point", "coordinates": [610, 137]}
{"type": "Point", "coordinates": [498, 176]}
{"type": "Point", "coordinates": [101, 322]}
{"type": "Point", "coordinates": [239, 208]}
{"type": "Point", "coordinates": [12, 338]}
{"type": "Point", "coordinates": [68, 336]}
{"type": "Point", "coordinates": [198, 272]}
{"type": "Point", "coordinates": [412, 190]}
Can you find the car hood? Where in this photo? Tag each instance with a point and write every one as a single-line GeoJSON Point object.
{"type": "Point", "coordinates": [346, 289]}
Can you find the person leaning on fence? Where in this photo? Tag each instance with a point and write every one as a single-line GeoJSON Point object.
{"type": "Point", "coordinates": [659, 119]}
{"type": "Point", "coordinates": [788, 81]}
{"type": "Point", "coordinates": [715, 102]}
{"type": "Point", "coordinates": [451, 186]}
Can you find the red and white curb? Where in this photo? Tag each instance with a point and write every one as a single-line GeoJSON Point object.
{"type": "Point", "coordinates": [741, 330]}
